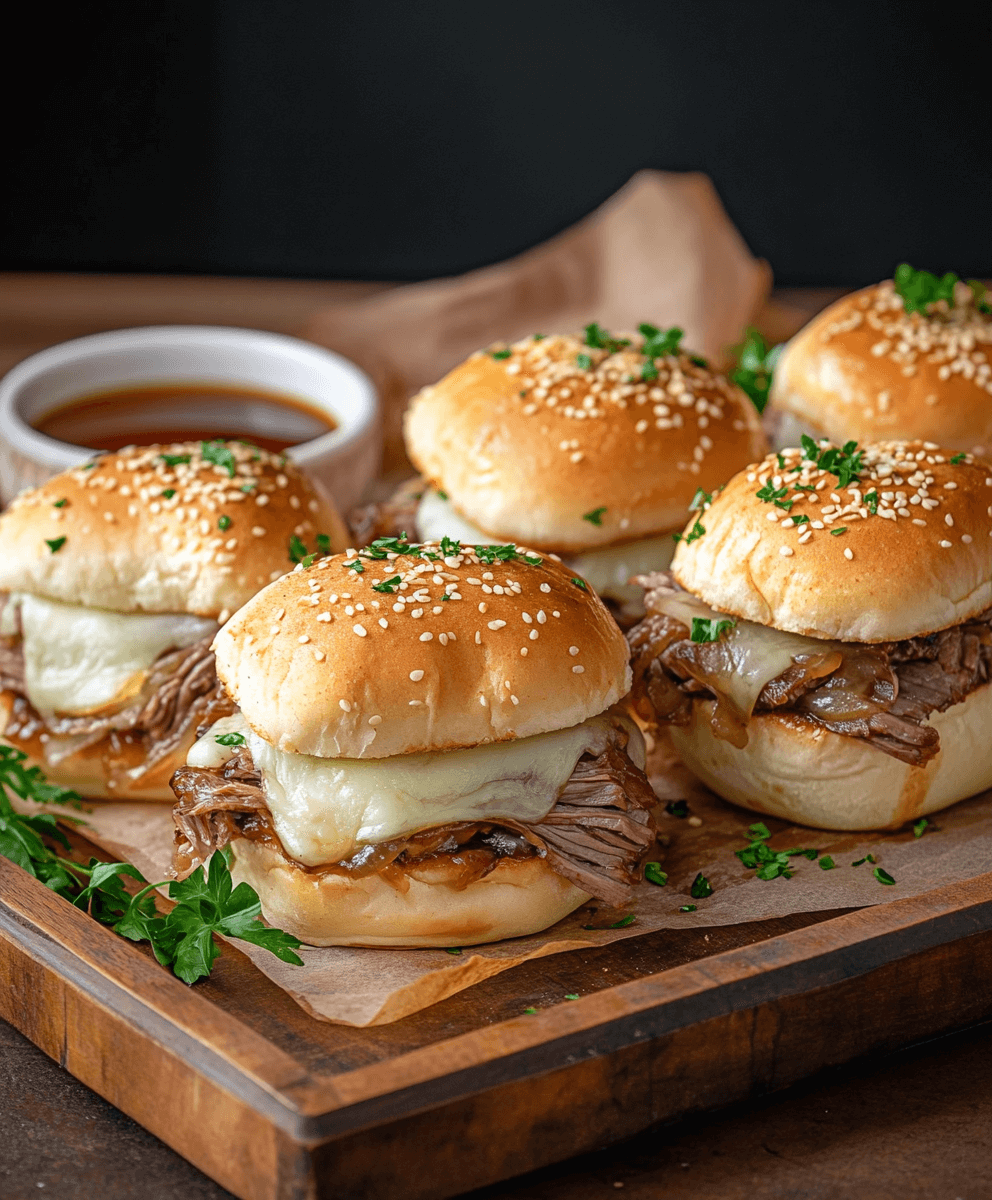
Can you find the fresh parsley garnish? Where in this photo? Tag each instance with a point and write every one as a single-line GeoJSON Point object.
{"type": "Point", "coordinates": [677, 808]}
{"type": "Point", "coordinates": [571, 995]}
{"type": "Point", "coordinates": [580, 583]}
{"type": "Point", "coordinates": [758, 856]}
{"type": "Point", "coordinates": [450, 547]}
{"type": "Point", "coordinates": [384, 546]}
{"type": "Point", "coordinates": [844, 462]}
{"type": "Point", "coordinates": [583, 361]}
{"type": "Point", "coordinates": [920, 827]}
{"type": "Point", "coordinates": [838, 531]}
{"type": "Point", "coordinates": [801, 519]}
{"type": "Point", "coordinates": [649, 372]}
{"type": "Point", "coordinates": [660, 343]}
{"type": "Point", "coordinates": [600, 339]}
{"type": "Point", "coordinates": [687, 908]}
{"type": "Point", "coordinates": [883, 876]}
{"type": "Point", "coordinates": [63, 502]}
{"type": "Point", "coordinates": [453, 950]}
{"type": "Point", "coordinates": [771, 495]}
{"type": "Point", "coordinates": [654, 874]}
{"type": "Point", "coordinates": [297, 550]}
{"type": "Point", "coordinates": [387, 585]}
{"type": "Point", "coordinates": [753, 373]}
{"type": "Point", "coordinates": [249, 487]}
{"type": "Point", "coordinates": [595, 517]}
{"type": "Point", "coordinates": [701, 887]}
{"type": "Point", "coordinates": [629, 919]}
{"type": "Point", "coordinates": [355, 565]}
{"type": "Point", "coordinates": [920, 289]}
{"type": "Point", "coordinates": [710, 629]}
{"type": "Point", "coordinates": [229, 739]}
{"type": "Point", "coordinates": [827, 863]}
{"type": "Point", "coordinates": [539, 337]}
{"type": "Point", "coordinates": [781, 460]}
{"type": "Point", "coordinates": [700, 500]}
{"type": "Point", "coordinates": [530, 1012]}
{"type": "Point", "coordinates": [218, 454]}
{"type": "Point", "coordinates": [168, 493]}
{"type": "Point", "coordinates": [175, 460]}
{"type": "Point", "coordinates": [693, 535]}
{"type": "Point", "coordinates": [55, 544]}
{"type": "Point", "coordinates": [698, 360]}
{"type": "Point", "coordinates": [871, 501]}
{"type": "Point", "coordinates": [957, 458]}
{"type": "Point", "coordinates": [499, 355]}
{"type": "Point", "coordinates": [868, 858]}
{"type": "Point", "coordinates": [224, 523]}
{"type": "Point", "coordinates": [323, 541]}
{"type": "Point", "coordinates": [444, 495]}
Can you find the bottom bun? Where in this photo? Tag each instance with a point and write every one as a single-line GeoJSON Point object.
{"type": "Point", "coordinates": [803, 773]}
{"type": "Point", "coordinates": [86, 771]}
{"type": "Point", "coordinates": [517, 898]}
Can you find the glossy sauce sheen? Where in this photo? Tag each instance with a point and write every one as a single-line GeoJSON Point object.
{"type": "Point", "coordinates": [185, 412]}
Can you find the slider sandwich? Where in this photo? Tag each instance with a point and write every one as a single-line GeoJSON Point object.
{"type": "Point", "coordinates": [821, 649]}
{"type": "Point", "coordinates": [428, 749]}
{"type": "Point", "coordinates": [905, 358]}
{"type": "Point", "coordinates": [114, 578]}
{"type": "Point", "coordinates": [590, 446]}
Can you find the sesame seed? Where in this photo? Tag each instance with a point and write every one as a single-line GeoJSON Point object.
{"type": "Point", "coordinates": [415, 703]}
{"type": "Point", "coordinates": [482, 701]}
{"type": "Point", "coordinates": [478, 638]}
{"type": "Point", "coordinates": [345, 705]}
{"type": "Point", "coordinates": [573, 650]}
{"type": "Point", "coordinates": [917, 521]}
{"type": "Point", "coordinates": [319, 655]}
{"type": "Point", "coordinates": [966, 538]}
{"type": "Point", "coordinates": [542, 617]}
{"type": "Point", "coordinates": [545, 587]}
{"type": "Point", "coordinates": [556, 613]}
{"type": "Point", "coordinates": [443, 639]}
{"type": "Point", "coordinates": [578, 670]}
{"type": "Point", "coordinates": [945, 545]}
{"type": "Point", "coordinates": [786, 551]}
{"type": "Point", "coordinates": [848, 553]}
{"type": "Point", "coordinates": [416, 676]}
{"type": "Point", "coordinates": [527, 618]}
{"type": "Point", "coordinates": [948, 519]}
{"type": "Point", "coordinates": [482, 607]}
{"type": "Point", "coordinates": [513, 699]}
{"type": "Point", "coordinates": [534, 635]}
{"type": "Point", "coordinates": [496, 624]}
{"type": "Point", "coordinates": [376, 720]}
{"type": "Point", "coordinates": [360, 630]}
{"type": "Point", "coordinates": [257, 531]}
{"type": "Point", "coordinates": [303, 639]}
{"type": "Point", "coordinates": [383, 622]}
{"type": "Point", "coordinates": [523, 651]}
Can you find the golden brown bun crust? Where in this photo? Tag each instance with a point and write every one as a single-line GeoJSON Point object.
{"type": "Point", "coordinates": [85, 771]}
{"type": "Point", "coordinates": [860, 577]}
{"type": "Point", "coordinates": [800, 772]}
{"type": "Point", "coordinates": [867, 370]}
{"type": "Point", "coordinates": [130, 548]}
{"type": "Point", "coordinates": [516, 899]}
{"type": "Point", "coordinates": [441, 674]}
{"type": "Point", "coordinates": [526, 471]}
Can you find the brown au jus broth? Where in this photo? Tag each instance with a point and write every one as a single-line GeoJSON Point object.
{"type": "Point", "coordinates": [184, 412]}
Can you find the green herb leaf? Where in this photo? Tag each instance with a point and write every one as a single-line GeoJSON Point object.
{"type": "Point", "coordinates": [753, 373]}
{"type": "Point", "coordinates": [62, 503]}
{"type": "Point", "coordinates": [687, 908]}
{"type": "Point", "coordinates": [701, 887]}
{"type": "Point", "coordinates": [694, 534]}
{"type": "Point", "coordinates": [55, 544]}
{"type": "Point", "coordinates": [660, 343]}
{"type": "Point", "coordinates": [837, 532]}
{"type": "Point", "coordinates": [580, 583]}
{"type": "Point", "coordinates": [698, 360]}
{"type": "Point", "coordinates": [654, 874]}
{"type": "Point", "coordinates": [453, 950]}
{"type": "Point", "coordinates": [710, 629]}
{"type": "Point", "coordinates": [774, 496]}
{"type": "Point", "coordinates": [629, 919]}
{"type": "Point", "coordinates": [175, 460]}
{"type": "Point", "coordinates": [860, 862]}
{"type": "Point", "coordinates": [539, 337]}
{"type": "Point", "coordinates": [220, 455]}
{"type": "Point", "coordinates": [677, 808]}
{"type": "Point", "coordinates": [499, 355]}
{"type": "Point", "coordinates": [920, 827]}
{"type": "Point", "coordinates": [297, 550]}
{"type": "Point", "coordinates": [811, 451]}
{"type": "Point", "coordinates": [583, 361]}
{"type": "Point", "coordinates": [530, 1012]}
{"type": "Point", "coordinates": [450, 548]}
{"type": "Point", "coordinates": [571, 995]}
{"type": "Point", "coordinates": [883, 876]}
{"type": "Point", "coordinates": [323, 543]}
{"type": "Point", "coordinates": [249, 487]}
{"type": "Point", "coordinates": [444, 495]}
{"type": "Point", "coordinates": [871, 501]}
{"type": "Point", "coordinates": [600, 339]}
{"type": "Point", "coordinates": [387, 585]}
{"type": "Point", "coordinates": [595, 517]}
{"type": "Point", "coordinates": [229, 739]}
{"type": "Point", "coordinates": [800, 519]}
{"type": "Point", "coordinates": [168, 493]}
{"type": "Point", "coordinates": [920, 289]}
{"type": "Point", "coordinates": [958, 458]}
{"type": "Point", "coordinates": [224, 523]}
{"type": "Point", "coordinates": [700, 500]}
{"type": "Point", "coordinates": [649, 372]}
{"type": "Point", "coordinates": [827, 863]}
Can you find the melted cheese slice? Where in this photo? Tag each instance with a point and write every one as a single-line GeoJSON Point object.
{"type": "Point", "coordinates": [756, 654]}
{"type": "Point", "coordinates": [325, 809]}
{"type": "Point", "coordinates": [608, 569]}
{"type": "Point", "coordinates": [80, 661]}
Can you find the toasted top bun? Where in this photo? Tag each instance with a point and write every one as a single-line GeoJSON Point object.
{"type": "Point", "coordinates": [921, 562]}
{"type": "Point", "coordinates": [160, 529]}
{"type": "Point", "coordinates": [528, 444]}
{"type": "Point", "coordinates": [868, 370]}
{"type": "Point", "coordinates": [322, 663]}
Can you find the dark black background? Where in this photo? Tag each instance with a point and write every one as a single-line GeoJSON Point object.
{"type": "Point", "coordinates": [404, 139]}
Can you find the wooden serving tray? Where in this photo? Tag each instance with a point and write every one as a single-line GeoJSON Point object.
{"type": "Point", "coordinates": [273, 1104]}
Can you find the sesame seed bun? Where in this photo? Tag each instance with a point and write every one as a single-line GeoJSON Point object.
{"type": "Point", "coordinates": [792, 769]}
{"type": "Point", "coordinates": [128, 547]}
{"type": "Point", "coordinates": [527, 444]}
{"type": "Point", "coordinates": [921, 563]}
{"type": "Point", "coordinates": [867, 370]}
{"type": "Point", "coordinates": [335, 680]}
{"type": "Point", "coordinates": [515, 899]}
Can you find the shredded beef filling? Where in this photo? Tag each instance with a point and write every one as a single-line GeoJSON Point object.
{"type": "Point", "coordinates": [883, 693]}
{"type": "Point", "coordinates": [181, 692]}
{"type": "Point", "coordinates": [595, 836]}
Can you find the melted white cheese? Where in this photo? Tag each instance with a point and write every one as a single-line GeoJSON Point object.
{"type": "Point", "coordinates": [608, 569]}
{"type": "Point", "coordinates": [756, 653]}
{"type": "Point", "coordinates": [324, 809]}
{"type": "Point", "coordinates": [80, 660]}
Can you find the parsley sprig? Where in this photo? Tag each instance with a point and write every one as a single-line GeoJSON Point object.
{"type": "Point", "coordinates": [693, 535]}
{"type": "Point", "coordinates": [844, 462]}
{"type": "Point", "coordinates": [769, 863]}
{"type": "Point", "coordinates": [755, 364]}
{"type": "Point", "coordinates": [660, 343]}
{"type": "Point", "coordinates": [920, 289]}
{"type": "Point", "coordinates": [772, 495]}
{"type": "Point", "coordinates": [219, 454]}
{"type": "Point", "coordinates": [710, 629]}
{"type": "Point", "coordinates": [601, 339]}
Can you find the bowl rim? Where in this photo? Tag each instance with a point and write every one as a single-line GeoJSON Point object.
{"type": "Point", "coordinates": [355, 421]}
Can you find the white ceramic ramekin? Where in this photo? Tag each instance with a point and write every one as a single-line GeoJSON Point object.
{"type": "Point", "coordinates": [342, 461]}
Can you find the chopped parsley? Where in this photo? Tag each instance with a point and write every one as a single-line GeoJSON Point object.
{"type": "Point", "coordinates": [297, 550]}
{"type": "Point", "coordinates": [63, 502]}
{"type": "Point", "coordinates": [827, 863]}
{"type": "Point", "coordinates": [710, 629]}
{"type": "Point", "coordinates": [700, 500]}
{"type": "Point", "coordinates": [774, 496]}
{"type": "Point", "coordinates": [837, 532]}
{"type": "Point", "coordinates": [249, 487]}
{"type": "Point", "coordinates": [539, 337]}
{"type": "Point", "coordinates": [677, 808]}
{"type": "Point", "coordinates": [444, 495]}
{"type": "Point", "coordinates": [844, 462]}
{"type": "Point", "coordinates": [871, 501]}
{"type": "Point", "coordinates": [387, 585]}
{"type": "Point", "coordinates": [450, 547]}
{"type": "Point", "coordinates": [595, 517]}
{"type": "Point", "coordinates": [883, 876]}
{"type": "Point", "coordinates": [580, 583]}
{"type": "Point", "coordinates": [767, 863]}
{"type": "Point", "coordinates": [492, 554]}
{"type": "Point", "coordinates": [753, 373]}
{"type": "Point", "coordinates": [868, 858]}
{"type": "Point", "coordinates": [571, 995]}
{"type": "Point", "coordinates": [801, 519]}
{"type": "Point", "coordinates": [499, 355]}
{"type": "Point", "coordinates": [920, 289]}
{"type": "Point", "coordinates": [218, 454]}
{"type": "Point", "coordinates": [323, 543]}
{"type": "Point", "coordinates": [224, 523]}
{"type": "Point", "coordinates": [355, 565]}
{"type": "Point", "coordinates": [654, 874]}
{"type": "Point", "coordinates": [530, 1012]}
{"type": "Point", "coordinates": [920, 827]}
{"type": "Point", "coordinates": [445, 596]}
{"type": "Point", "coordinates": [781, 461]}
{"type": "Point", "coordinates": [629, 919]}
{"type": "Point", "coordinates": [600, 339]}
{"type": "Point", "coordinates": [958, 458]}
{"type": "Point", "coordinates": [701, 887]}
{"type": "Point", "coordinates": [979, 293]}
{"type": "Point", "coordinates": [55, 544]}
{"type": "Point", "coordinates": [698, 360]}
{"type": "Point", "coordinates": [649, 371]}
{"type": "Point", "coordinates": [453, 950]}
{"type": "Point", "coordinates": [384, 546]}
{"type": "Point", "coordinates": [583, 361]}
{"type": "Point", "coordinates": [687, 908]}
{"type": "Point", "coordinates": [693, 535]}
{"type": "Point", "coordinates": [168, 493]}
{"type": "Point", "coordinates": [229, 739]}
{"type": "Point", "coordinates": [660, 343]}
{"type": "Point", "coordinates": [175, 460]}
